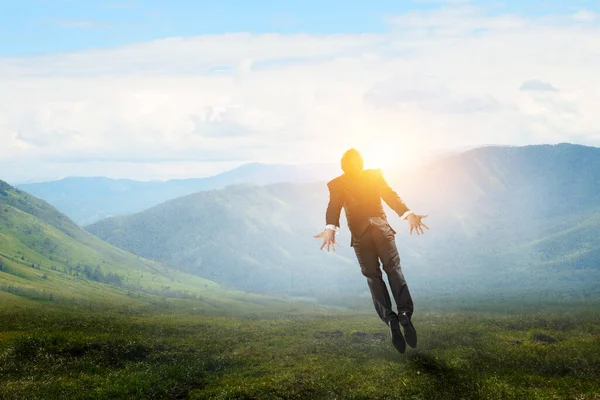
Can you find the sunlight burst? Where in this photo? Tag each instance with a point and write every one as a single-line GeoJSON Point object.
{"type": "Point", "coordinates": [381, 156]}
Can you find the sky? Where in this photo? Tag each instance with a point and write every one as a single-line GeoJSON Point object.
{"type": "Point", "coordinates": [172, 89]}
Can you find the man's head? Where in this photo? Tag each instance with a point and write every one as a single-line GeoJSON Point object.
{"type": "Point", "coordinates": [352, 162]}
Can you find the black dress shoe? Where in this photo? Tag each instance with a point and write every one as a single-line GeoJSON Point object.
{"type": "Point", "coordinates": [409, 330]}
{"type": "Point", "coordinates": [397, 338]}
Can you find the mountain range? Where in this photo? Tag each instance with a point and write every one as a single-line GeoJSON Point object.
{"type": "Point", "coordinates": [502, 219]}
{"type": "Point", "coordinates": [87, 200]}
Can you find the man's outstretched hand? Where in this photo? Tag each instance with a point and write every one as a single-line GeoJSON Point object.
{"type": "Point", "coordinates": [328, 236]}
{"type": "Point", "coordinates": [415, 223]}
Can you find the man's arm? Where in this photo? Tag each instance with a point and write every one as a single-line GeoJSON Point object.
{"type": "Point", "coordinates": [334, 208]}
{"type": "Point", "coordinates": [332, 217]}
{"type": "Point", "coordinates": [395, 202]}
{"type": "Point", "coordinates": [391, 197]}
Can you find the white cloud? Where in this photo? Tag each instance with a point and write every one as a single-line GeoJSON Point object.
{"type": "Point", "coordinates": [443, 78]}
{"type": "Point", "coordinates": [455, 20]}
{"type": "Point", "coordinates": [535, 85]}
{"type": "Point", "coordinates": [585, 16]}
{"type": "Point", "coordinates": [429, 97]}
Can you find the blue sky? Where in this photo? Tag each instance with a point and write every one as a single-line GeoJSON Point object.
{"type": "Point", "coordinates": [45, 26]}
{"type": "Point", "coordinates": [176, 89]}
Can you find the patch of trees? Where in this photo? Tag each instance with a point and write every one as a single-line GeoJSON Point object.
{"type": "Point", "coordinates": [97, 275]}
{"type": "Point", "coordinates": [30, 293]}
{"type": "Point", "coordinates": [4, 187]}
{"type": "Point", "coordinates": [165, 291]}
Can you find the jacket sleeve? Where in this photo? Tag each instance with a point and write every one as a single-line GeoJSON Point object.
{"type": "Point", "coordinates": [336, 202]}
{"type": "Point", "coordinates": [390, 196]}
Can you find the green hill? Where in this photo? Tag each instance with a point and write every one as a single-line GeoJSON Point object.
{"type": "Point", "coordinates": [44, 256]}
{"type": "Point", "coordinates": [252, 237]}
{"type": "Point", "coordinates": [501, 218]}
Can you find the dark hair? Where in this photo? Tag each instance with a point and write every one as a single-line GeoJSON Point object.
{"type": "Point", "coordinates": [352, 161]}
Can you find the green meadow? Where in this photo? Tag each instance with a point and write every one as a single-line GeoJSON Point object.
{"type": "Point", "coordinates": [175, 351]}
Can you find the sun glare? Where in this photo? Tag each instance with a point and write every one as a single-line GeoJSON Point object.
{"type": "Point", "coordinates": [386, 158]}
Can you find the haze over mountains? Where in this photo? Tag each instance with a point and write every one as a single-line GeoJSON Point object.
{"type": "Point", "coordinates": [87, 200]}
{"type": "Point", "coordinates": [44, 256]}
{"type": "Point", "coordinates": [502, 219]}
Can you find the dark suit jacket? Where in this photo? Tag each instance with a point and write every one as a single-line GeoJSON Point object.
{"type": "Point", "coordinates": [360, 196]}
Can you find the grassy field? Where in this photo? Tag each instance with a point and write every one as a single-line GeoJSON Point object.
{"type": "Point", "coordinates": [75, 353]}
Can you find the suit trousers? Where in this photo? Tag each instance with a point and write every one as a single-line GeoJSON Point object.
{"type": "Point", "coordinates": [377, 244]}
